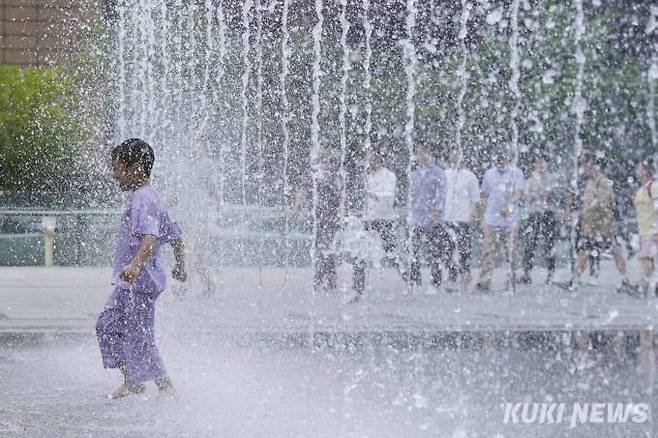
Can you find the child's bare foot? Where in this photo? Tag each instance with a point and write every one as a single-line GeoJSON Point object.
{"type": "Point", "coordinates": [127, 389]}
{"type": "Point", "coordinates": [166, 387]}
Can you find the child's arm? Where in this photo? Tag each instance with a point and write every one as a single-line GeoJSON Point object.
{"type": "Point", "coordinates": [179, 253]}
{"type": "Point", "coordinates": [131, 270]}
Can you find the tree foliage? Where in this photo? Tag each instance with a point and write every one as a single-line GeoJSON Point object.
{"type": "Point", "coordinates": [38, 133]}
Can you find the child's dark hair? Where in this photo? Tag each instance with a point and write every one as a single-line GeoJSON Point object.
{"type": "Point", "coordinates": [135, 150]}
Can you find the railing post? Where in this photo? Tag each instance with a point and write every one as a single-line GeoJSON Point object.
{"type": "Point", "coordinates": [48, 224]}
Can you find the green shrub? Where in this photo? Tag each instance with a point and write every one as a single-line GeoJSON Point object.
{"type": "Point", "coordinates": [38, 133]}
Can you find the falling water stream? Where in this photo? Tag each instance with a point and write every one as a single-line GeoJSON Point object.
{"type": "Point", "coordinates": [285, 116]}
{"type": "Point", "coordinates": [246, 65]}
{"type": "Point", "coordinates": [462, 74]}
{"type": "Point", "coordinates": [410, 62]}
{"type": "Point", "coordinates": [514, 80]}
{"type": "Point", "coordinates": [652, 77]}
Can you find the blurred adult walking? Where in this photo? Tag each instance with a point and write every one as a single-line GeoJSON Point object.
{"type": "Point", "coordinates": [502, 188]}
{"type": "Point", "coordinates": [462, 201]}
{"type": "Point", "coordinates": [379, 215]}
{"type": "Point", "coordinates": [597, 225]}
{"type": "Point", "coordinates": [428, 188]}
{"type": "Point", "coordinates": [328, 185]}
{"type": "Point", "coordinates": [541, 197]}
{"type": "Point", "coordinates": [645, 202]}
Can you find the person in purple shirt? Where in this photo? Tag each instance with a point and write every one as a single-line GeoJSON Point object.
{"type": "Point", "coordinates": [125, 326]}
{"type": "Point", "coordinates": [428, 186]}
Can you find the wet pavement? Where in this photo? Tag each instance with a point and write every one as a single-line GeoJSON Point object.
{"type": "Point", "coordinates": [229, 390]}
{"type": "Point", "coordinates": [67, 300]}
{"type": "Point", "coordinates": [237, 375]}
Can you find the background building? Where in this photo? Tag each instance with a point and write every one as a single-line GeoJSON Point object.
{"type": "Point", "coordinates": [40, 32]}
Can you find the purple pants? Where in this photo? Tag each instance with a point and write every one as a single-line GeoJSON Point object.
{"type": "Point", "coordinates": [125, 330]}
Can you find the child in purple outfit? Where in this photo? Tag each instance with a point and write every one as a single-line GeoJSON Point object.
{"type": "Point", "coordinates": [125, 326]}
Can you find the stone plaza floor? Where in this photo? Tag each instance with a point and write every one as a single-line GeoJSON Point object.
{"type": "Point", "coordinates": [265, 357]}
{"type": "Point", "coordinates": [63, 300]}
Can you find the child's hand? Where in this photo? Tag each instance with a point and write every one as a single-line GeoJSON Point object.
{"type": "Point", "coordinates": [179, 272]}
{"type": "Point", "coordinates": [129, 273]}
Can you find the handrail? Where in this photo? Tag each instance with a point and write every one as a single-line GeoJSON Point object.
{"type": "Point", "coordinates": [28, 212]}
{"type": "Point", "coordinates": [46, 212]}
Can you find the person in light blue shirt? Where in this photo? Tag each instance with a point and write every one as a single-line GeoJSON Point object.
{"type": "Point", "coordinates": [428, 186]}
{"type": "Point", "coordinates": [502, 188]}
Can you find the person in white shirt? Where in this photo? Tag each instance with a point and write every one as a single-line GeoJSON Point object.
{"type": "Point", "coordinates": [502, 188]}
{"type": "Point", "coordinates": [461, 204]}
{"type": "Point", "coordinates": [379, 215]}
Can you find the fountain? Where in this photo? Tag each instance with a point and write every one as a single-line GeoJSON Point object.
{"type": "Point", "coordinates": [252, 105]}
{"type": "Point", "coordinates": [198, 76]}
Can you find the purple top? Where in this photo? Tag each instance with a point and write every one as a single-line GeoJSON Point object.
{"type": "Point", "coordinates": [144, 214]}
{"type": "Point", "coordinates": [428, 187]}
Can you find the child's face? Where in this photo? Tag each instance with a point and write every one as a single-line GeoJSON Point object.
{"type": "Point", "coordinates": [125, 176]}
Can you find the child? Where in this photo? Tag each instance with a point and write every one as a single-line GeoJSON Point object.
{"type": "Point", "coordinates": [125, 326]}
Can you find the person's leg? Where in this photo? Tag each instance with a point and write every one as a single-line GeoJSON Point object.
{"type": "Point", "coordinates": [111, 330]}
{"type": "Point", "coordinates": [465, 239]}
{"type": "Point", "coordinates": [549, 232]}
{"type": "Point", "coordinates": [435, 252]}
{"type": "Point", "coordinates": [127, 388]}
{"type": "Point", "coordinates": [125, 330]}
{"type": "Point", "coordinates": [653, 278]}
{"type": "Point", "coordinates": [646, 271]}
{"type": "Point", "coordinates": [620, 260]}
{"type": "Point", "coordinates": [512, 242]}
{"type": "Point", "coordinates": [464, 246]}
{"type": "Point", "coordinates": [531, 234]}
{"type": "Point", "coordinates": [388, 235]}
{"type": "Point", "coordinates": [505, 237]}
{"type": "Point", "coordinates": [488, 256]}
{"type": "Point", "coordinates": [620, 263]}
{"type": "Point", "coordinates": [319, 260]}
{"type": "Point", "coordinates": [583, 246]}
{"type": "Point", "coordinates": [359, 277]}
{"type": "Point", "coordinates": [582, 258]}
{"type": "Point", "coordinates": [325, 263]}
{"type": "Point", "coordinates": [334, 227]}
{"type": "Point", "coordinates": [142, 358]}
{"type": "Point", "coordinates": [324, 274]}
{"type": "Point", "coordinates": [593, 259]}
{"type": "Point", "coordinates": [165, 384]}
{"type": "Point", "coordinates": [418, 237]}
{"type": "Point", "coordinates": [332, 273]}
{"type": "Point", "coordinates": [442, 252]}
{"type": "Point", "coordinates": [359, 269]}
{"type": "Point", "coordinates": [594, 265]}
{"type": "Point", "coordinates": [449, 241]}
{"type": "Point", "coordinates": [385, 231]}
{"type": "Point", "coordinates": [645, 256]}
